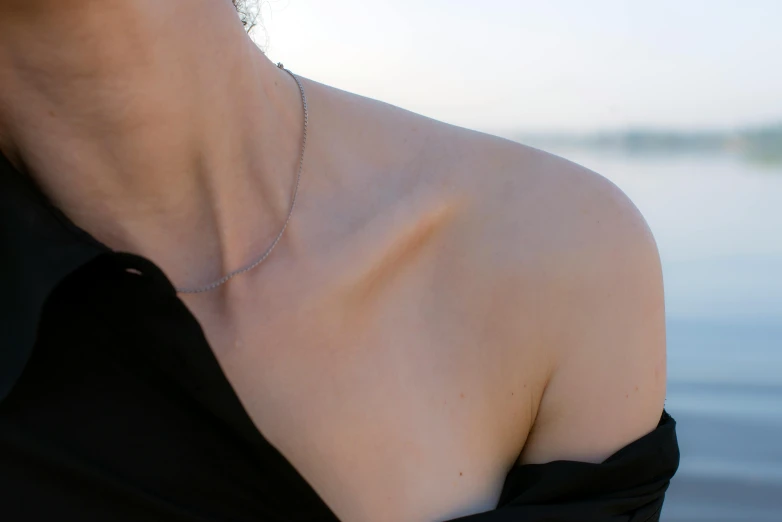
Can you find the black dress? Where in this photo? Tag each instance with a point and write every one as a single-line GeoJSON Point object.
{"type": "Point", "coordinates": [114, 408]}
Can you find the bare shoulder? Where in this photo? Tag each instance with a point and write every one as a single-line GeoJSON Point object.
{"type": "Point", "coordinates": [549, 270]}
{"type": "Point", "coordinates": [572, 276]}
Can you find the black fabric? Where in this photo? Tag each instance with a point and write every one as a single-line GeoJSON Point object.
{"type": "Point", "coordinates": [38, 247]}
{"type": "Point", "coordinates": [114, 408]}
{"type": "Point", "coordinates": [629, 486]}
{"type": "Point", "coordinates": [122, 413]}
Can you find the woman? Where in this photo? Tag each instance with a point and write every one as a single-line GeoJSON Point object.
{"type": "Point", "coordinates": [231, 293]}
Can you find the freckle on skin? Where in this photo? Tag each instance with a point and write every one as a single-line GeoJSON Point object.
{"type": "Point", "coordinates": [460, 473]}
{"type": "Point", "coordinates": [461, 395]}
{"type": "Point", "coordinates": [636, 388]}
{"type": "Point", "coordinates": [627, 395]}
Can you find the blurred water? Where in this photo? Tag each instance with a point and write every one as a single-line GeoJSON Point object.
{"type": "Point", "coordinates": [718, 224]}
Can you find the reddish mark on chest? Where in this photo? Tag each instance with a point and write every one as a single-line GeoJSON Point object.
{"type": "Point", "coordinates": [461, 395]}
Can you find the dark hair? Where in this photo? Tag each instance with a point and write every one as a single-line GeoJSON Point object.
{"type": "Point", "coordinates": [248, 12]}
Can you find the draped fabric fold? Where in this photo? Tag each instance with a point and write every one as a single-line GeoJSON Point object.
{"type": "Point", "coordinates": [629, 486]}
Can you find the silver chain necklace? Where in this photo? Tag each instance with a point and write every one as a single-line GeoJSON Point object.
{"type": "Point", "coordinates": [231, 275]}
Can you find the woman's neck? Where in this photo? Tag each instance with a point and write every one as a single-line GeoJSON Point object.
{"type": "Point", "coordinates": [158, 127]}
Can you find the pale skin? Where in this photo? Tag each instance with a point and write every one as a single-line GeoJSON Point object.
{"type": "Point", "coordinates": [444, 305]}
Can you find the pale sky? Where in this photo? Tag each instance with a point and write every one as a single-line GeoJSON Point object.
{"type": "Point", "coordinates": [505, 65]}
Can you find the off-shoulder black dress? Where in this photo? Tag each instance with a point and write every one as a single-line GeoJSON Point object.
{"type": "Point", "coordinates": [113, 407]}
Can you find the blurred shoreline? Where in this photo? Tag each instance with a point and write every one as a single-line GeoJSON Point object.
{"type": "Point", "coordinates": [760, 145]}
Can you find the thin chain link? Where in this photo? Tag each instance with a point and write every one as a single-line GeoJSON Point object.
{"type": "Point", "coordinates": [231, 275]}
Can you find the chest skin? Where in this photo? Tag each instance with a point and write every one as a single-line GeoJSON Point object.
{"type": "Point", "coordinates": [380, 372]}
